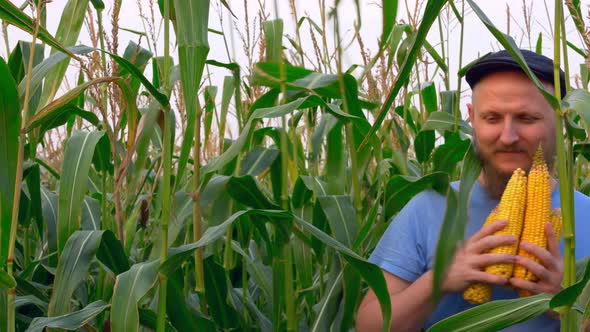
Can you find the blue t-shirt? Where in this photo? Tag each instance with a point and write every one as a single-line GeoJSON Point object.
{"type": "Point", "coordinates": [408, 246]}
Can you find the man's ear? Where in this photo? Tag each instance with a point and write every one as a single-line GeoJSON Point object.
{"type": "Point", "coordinates": [470, 111]}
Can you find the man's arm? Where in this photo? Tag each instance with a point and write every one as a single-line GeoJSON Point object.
{"type": "Point", "coordinates": [411, 303]}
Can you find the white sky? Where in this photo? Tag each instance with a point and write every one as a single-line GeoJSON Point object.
{"type": "Point", "coordinates": [477, 39]}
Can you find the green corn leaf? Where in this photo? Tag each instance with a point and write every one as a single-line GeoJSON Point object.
{"type": "Point", "coordinates": [328, 305]}
{"type": "Point", "coordinates": [192, 19]}
{"type": "Point", "coordinates": [111, 254]}
{"type": "Point", "coordinates": [216, 204]}
{"type": "Point", "coordinates": [209, 109]}
{"type": "Point", "coordinates": [389, 15]}
{"type": "Point", "coordinates": [341, 216]}
{"type": "Point", "coordinates": [60, 116]}
{"type": "Point", "coordinates": [435, 56]}
{"type": "Point", "coordinates": [442, 121]}
{"type": "Point", "coordinates": [139, 57]}
{"type": "Point", "coordinates": [229, 86]}
{"type": "Point", "coordinates": [539, 44]}
{"type": "Point", "coordinates": [495, 315]}
{"type": "Point", "coordinates": [423, 145]}
{"type": "Point", "coordinates": [77, 158]}
{"type": "Point", "coordinates": [182, 253]}
{"type": "Point", "coordinates": [71, 321]}
{"type": "Point", "coordinates": [216, 292]}
{"type": "Point", "coordinates": [49, 201]}
{"type": "Point", "coordinates": [53, 113]}
{"type": "Point", "coordinates": [247, 190]}
{"type": "Point", "coordinates": [22, 301]}
{"type": "Point", "coordinates": [266, 113]}
{"type": "Point", "coordinates": [428, 92]}
{"type": "Point", "coordinates": [371, 273]}
{"type": "Point", "coordinates": [130, 287]}
{"type": "Point", "coordinates": [12, 15]}
{"type": "Point", "coordinates": [273, 32]}
{"type": "Point", "coordinates": [90, 214]}
{"type": "Point", "coordinates": [98, 4]}
{"type": "Point", "coordinates": [41, 70]}
{"type": "Point", "coordinates": [19, 63]}
{"type": "Point", "coordinates": [137, 73]}
{"type": "Point", "coordinates": [448, 101]}
{"type": "Point", "coordinates": [33, 186]}
{"type": "Point", "coordinates": [10, 123]}
{"type": "Point", "coordinates": [568, 296]}
{"type": "Point", "coordinates": [3, 309]}
{"type": "Point", "coordinates": [431, 12]}
{"type": "Point", "coordinates": [452, 231]}
{"type": "Point", "coordinates": [258, 160]}
{"type": "Point", "coordinates": [400, 189]}
{"type": "Point", "coordinates": [78, 253]}
{"type": "Point", "coordinates": [101, 160]}
{"type": "Point", "coordinates": [181, 315]}
{"type": "Point", "coordinates": [579, 101]}
{"type": "Point", "coordinates": [446, 156]}
{"type": "Point", "coordinates": [352, 295]}
{"type": "Point", "coordinates": [68, 30]}
{"type": "Point", "coordinates": [510, 45]}
{"type": "Point", "coordinates": [259, 272]}
{"type": "Point", "coordinates": [335, 170]}
{"type": "Point", "coordinates": [148, 318]}
{"type": "Point", "coordinates": [6, 280]}
{"type": "Point", "coordinates": [263, 324]}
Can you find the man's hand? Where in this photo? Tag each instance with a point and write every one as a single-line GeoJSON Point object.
{"type": "Point", "coordinates": [549, 270]}
{"type": "Point", "coordinates": [471, 259]}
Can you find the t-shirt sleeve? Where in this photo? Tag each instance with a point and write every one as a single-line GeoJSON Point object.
{"type": "Point", "coordinates": [401, 249]}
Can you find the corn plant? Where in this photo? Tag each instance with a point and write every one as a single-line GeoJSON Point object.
{"type": "Point", "coordinates": [151, 217]}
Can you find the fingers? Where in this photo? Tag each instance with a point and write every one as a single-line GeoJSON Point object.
{"type": "Point", "coordinates": [532, 287]}
{"type": "Point", "coordinates": [547, 259]}
{"type": "Point", "coordinates": [490, 242]}
{"type": "Point", "coordinates": [490, 259]}
{"type": "Point", "coordinates": [481, 276]}
{"type": "Point", "coordinates": [488, 230]}
{"type": "Point", "coordinates": [537, 269]}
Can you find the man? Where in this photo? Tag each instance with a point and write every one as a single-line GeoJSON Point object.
{"type": "Point", "coordinates": [510, 118]}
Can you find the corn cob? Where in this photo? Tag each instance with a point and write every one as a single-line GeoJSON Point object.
{"type": "Point", "coordinates": [479, 293]}
{"type": "Point", "coordinates": [538, 212]}
{"type": "Point", "coordinates": [511, 208]}
{"type": "Point", "coordinates": [556, 223]}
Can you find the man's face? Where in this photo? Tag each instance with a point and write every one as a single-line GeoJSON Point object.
{"type": "Point", "coordinates": [510, 117]}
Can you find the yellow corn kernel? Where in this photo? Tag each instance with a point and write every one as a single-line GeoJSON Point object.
{"type": "Point", "coordinates": [479, 293]}
{"type": "Point", "coordinates": [511, 209]}
{"type": "Point", "coordinates": [538, 212]}
{"type": "Point", "coordinates": [557, 223]}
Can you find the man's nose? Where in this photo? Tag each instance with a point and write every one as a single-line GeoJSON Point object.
{"type": "Point", "coordinates": [509, 135]}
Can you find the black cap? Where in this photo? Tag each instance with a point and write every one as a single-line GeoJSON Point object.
{"type": "Point", "coordinates": [541, 65]}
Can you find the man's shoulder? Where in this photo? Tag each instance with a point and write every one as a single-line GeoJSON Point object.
{"type": "Point", "coordinates": [581, 198]}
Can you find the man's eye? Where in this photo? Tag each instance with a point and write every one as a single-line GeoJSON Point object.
{"type": "Point", "coordinates": [492, 119]}
{"type": "Point", "coordinates": [528, 119]}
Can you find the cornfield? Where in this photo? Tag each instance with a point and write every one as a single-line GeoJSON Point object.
{"type": "Point", "coordinates": [137, 194]}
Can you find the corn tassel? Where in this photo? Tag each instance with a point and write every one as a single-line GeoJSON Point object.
{"type": "Point", "coordinates": [538, 212]}
{"type": "Point", "coordinates": [511, 209]}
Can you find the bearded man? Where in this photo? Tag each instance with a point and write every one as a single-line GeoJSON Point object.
{"type": "Point", "coordinates": [510, 119]}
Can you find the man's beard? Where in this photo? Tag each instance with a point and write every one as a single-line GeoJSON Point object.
{"type": "Point", "coordinates": [495, 180]}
